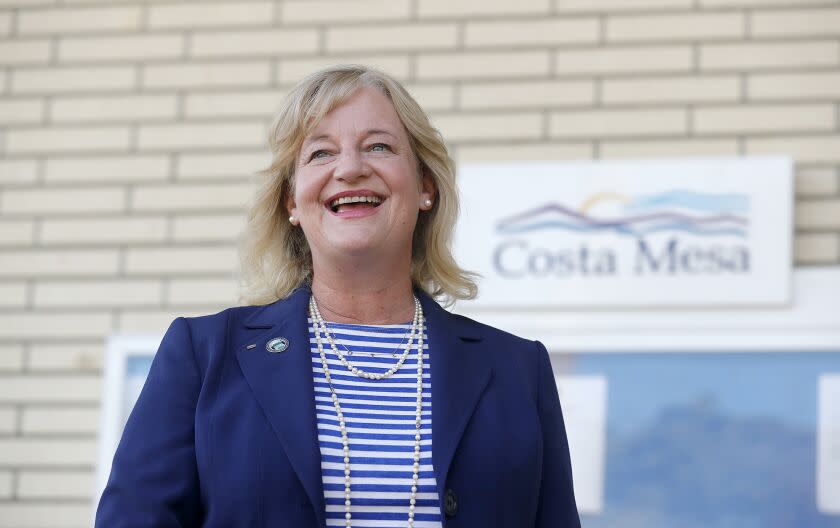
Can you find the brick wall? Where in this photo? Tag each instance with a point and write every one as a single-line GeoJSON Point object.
{"type": "Point", "coordinates": [129, 131]}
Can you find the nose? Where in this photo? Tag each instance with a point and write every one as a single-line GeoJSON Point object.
{"type": "Point", "coordinates": [350, 166]}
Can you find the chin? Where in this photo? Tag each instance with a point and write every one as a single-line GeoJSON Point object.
{"type": "Point", "coordinates": [354, 245]}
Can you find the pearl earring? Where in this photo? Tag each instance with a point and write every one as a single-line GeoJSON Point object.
{"type": "Point", "coordinates": [427, 202]}
{"type": "Point", "coordinates": [293, 220]}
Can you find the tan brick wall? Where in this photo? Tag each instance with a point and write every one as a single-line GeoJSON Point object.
{"type": "Point", "coordinates": [129, 132]}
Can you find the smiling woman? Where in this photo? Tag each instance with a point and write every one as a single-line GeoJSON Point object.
{"type": "Point", "coordinates": [360, 152]}
{"type": "Point", "coordinates": [374, 127]}
{"type": "Point", "coordinates": [342, 393]}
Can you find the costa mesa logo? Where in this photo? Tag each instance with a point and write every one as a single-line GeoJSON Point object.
{"type": "Point", "coordinates": [677, 231]}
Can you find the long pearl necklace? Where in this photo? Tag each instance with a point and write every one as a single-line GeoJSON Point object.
{"type": "Point", "coordinates": [417, 322]}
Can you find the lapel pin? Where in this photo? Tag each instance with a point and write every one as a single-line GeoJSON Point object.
{"type": "Point", "coordinates": [278, 344]}
{"type": "Point", "coordinates": [252, 345]}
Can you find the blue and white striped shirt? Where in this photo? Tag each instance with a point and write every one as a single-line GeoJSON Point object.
{"type": "Point", "coordinates": [379, 415]}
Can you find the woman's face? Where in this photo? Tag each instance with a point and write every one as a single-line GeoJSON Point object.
{"type": "Point", "coordinates": [357, 188]}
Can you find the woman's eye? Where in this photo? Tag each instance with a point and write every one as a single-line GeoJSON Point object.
{"type": "Point", "coordinates": [317, 154]}
{"type": "Point", "coordinates": [376, 146]}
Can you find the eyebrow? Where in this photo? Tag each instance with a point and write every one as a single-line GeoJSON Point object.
{"type": "Point", "coordinates": [372, 131]}
{"type": "Point", "coordinates": [368, 132]}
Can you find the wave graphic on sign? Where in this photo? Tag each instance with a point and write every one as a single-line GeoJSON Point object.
{"type": "Point", "coordinates": [712, 214]}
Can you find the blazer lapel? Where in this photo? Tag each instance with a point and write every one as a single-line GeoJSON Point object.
{"type": "Point", "coordinates": [459, 375]}
{"type": "Point", "coordinates": [282, 384]}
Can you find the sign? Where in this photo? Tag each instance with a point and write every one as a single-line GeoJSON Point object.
{"type": "Point", "coordinates": [634, 233]}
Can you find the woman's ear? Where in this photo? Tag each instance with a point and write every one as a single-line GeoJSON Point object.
{"type": "Point", "coordinates": [291, 207]}
{"type": "Point", "coordinates": [428, 191]}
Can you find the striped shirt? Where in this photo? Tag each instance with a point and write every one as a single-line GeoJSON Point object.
{"type": "Point", "coordinates": [379, 415]}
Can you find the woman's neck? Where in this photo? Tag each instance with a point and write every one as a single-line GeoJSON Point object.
{"type": "Point", "coordinates": [364, 302]}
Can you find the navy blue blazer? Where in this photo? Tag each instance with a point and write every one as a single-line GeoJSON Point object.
{"type": "Point", "coordinates": [224, 434]}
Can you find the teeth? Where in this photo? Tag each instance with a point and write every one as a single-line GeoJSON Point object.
{"type": "Point", "coordinates": [355, 199]}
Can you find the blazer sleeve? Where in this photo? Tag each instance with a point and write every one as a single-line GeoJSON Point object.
{"type": "Point", "coordinates": [154, 478]}
{"type": "Point", "coordinates": [557, 507]}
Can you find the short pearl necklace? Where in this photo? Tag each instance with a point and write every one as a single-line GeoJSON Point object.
{"type": "Point", "coordinates": [418, 312]}
{"type": "Point", "coordinates": [320, 326]}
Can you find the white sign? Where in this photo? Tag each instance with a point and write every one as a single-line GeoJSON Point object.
{"type": "Point", "coordinates": [828, 444]}
{"type": "Point", "coordinates": [584, 402]}
{"type": "Point", "coordinates": [634, 233]}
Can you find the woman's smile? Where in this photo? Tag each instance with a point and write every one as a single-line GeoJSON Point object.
{"type": "Point", "coordinates": [354, 204]}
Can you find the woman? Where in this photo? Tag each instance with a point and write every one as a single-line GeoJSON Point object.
{"type": "Point", "coordinates": [344, 395]}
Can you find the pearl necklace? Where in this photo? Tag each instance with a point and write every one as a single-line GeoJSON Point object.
{"type": "Point", "coordinates": [418, 312]}
{"type": "Point", "coordinates": [320, 326]}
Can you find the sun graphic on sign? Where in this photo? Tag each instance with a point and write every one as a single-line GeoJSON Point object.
{"type": "Point", "coordinates": [604, 204]}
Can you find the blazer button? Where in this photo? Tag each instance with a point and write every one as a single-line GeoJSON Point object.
{"type": "Point", "coordinates": [450, 503]}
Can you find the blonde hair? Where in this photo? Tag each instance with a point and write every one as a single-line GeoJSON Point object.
{"type": "Point", "coordinates": [274, 255]}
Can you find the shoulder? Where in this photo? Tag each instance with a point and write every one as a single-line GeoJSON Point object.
{"type": "Point", "coordinates": [209, 338]}
{"type": "Point", "coordinates": [252, 316]}
{"type": "Point", "coordinates": [519, 361]}
{"type": "Point", "coordinates": [472, 328]}
{"type": "Point", "coordinates": [208, 323]}
{"type": "Point", "coordinates": [219, 331]}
